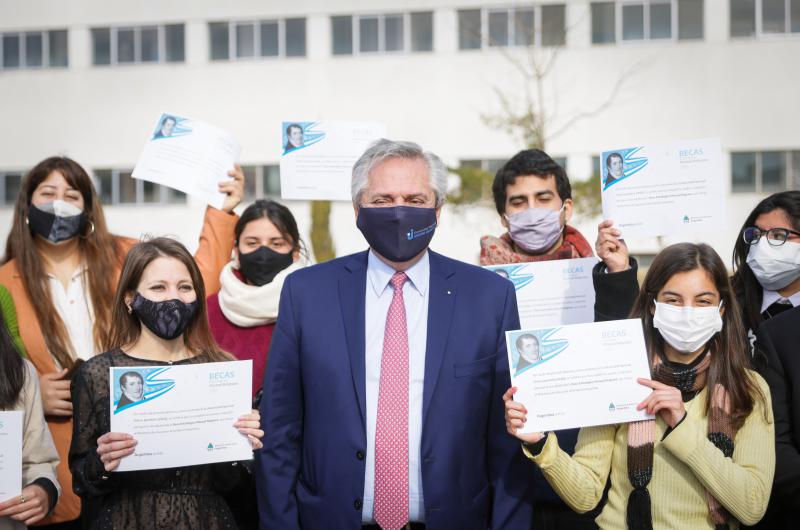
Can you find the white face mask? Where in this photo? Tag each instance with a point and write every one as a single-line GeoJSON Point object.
{"type": "Point", "coordinates": [687, 328]}
{"type": "Point", "coordinates": [774, 267]}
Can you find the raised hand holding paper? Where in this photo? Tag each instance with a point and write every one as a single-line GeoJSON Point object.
{"type": "Point", "coordinates": [10, 454]}
{"type": "Point", "coordinates": [661, 190]}
{"type": "Point", "coordinates": [579, 375]}
{"type": "Point", "coordinates": [188, 155]}
{"type": "Point", "coordinates": [318, 156]}
{"type": "Point", "coordinates": [551, 293]}
{"type": "Point", "coordinates": [181, 415]}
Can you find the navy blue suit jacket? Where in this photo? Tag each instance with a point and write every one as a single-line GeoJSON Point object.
{"type": "Point", "coordinates": [310, 473]}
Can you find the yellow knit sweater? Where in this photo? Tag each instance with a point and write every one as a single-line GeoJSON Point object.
{"type": "Point", "coordinates": [684, 465]}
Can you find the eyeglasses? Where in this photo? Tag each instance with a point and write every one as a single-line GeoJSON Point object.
{"type": "Point", "coordinates": [775, 236]}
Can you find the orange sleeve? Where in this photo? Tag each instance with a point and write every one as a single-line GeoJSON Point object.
{"type": "Point", "coordinates": [216, 244]}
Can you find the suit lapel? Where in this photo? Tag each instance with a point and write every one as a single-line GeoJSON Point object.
{"type": "Point", "coordinates": [352, 285]}
{"type": "Point", "coordinates": [442, 295]}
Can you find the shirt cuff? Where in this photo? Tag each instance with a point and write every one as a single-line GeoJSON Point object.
{"type": "Point", "coordinates": [670, 429]}
{"type": "Point", "coordinates": [546, 457]}
{"type": "Point", "coordinates": [685, 438]}
{"type": "Point", "coordinates": [52, 492]}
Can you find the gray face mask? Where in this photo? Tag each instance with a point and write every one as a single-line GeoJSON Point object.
{"type": "Point", "coordinates": [56, 221]}
{"type": "Point", "coordinates": [535, 230]}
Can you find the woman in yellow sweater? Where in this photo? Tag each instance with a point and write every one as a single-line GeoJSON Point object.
{"type": "Point", "coordinates": [703, 462]}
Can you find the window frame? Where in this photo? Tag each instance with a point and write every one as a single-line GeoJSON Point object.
{"type": "Point", "coordinates": [115, 173]}
{"type": "Point", "coordinates": [23, 45]}
{"type": "Point", "coordinates": [4, 201]}
{"type": "Point", "coordinates": [759, 33]}
{"type": "Point", "coordinates": [355, 30]}
{"type": "Point", "coordinates": [511, 12]}
{"type": "Point", "coordinates": [113, 55]}
{"type": "Point", "coordinates": [257, 44]}
{"type": "Point", "coordinates": [791, 177]}
{"type": "Point", "coordinates": [260, 172]}
{"type": "Point", "coordinates": [675, 29]}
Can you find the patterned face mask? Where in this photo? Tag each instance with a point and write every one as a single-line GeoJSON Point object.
{"type": "Point", "coordinates": [167, 319]}
{"type": "Point", "coordinates": [56, 221]}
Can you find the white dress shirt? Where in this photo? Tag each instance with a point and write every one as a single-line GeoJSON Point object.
{"type": "Point", "coordinates": [378, 298]}
{"type": "Point", "coordinates": [74, 305]}
{"type": "Point", "coordinates": [770, 297]}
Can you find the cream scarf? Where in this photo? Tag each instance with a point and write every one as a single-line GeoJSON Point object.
{"type": "Point", "coordinates": [248, 306]}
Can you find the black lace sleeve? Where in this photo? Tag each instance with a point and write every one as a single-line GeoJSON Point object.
{"type": "Point", "coordinates": [90, 421]}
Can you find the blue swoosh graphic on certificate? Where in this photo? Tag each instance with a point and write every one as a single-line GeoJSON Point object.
{"type": "Point", "coordinates": [549, 347]}
{"type": "Point", "coordinates": [514, 274]}
{"type": "Point", "coordinates": [632, 164]}
{"type": "Point", "coordinates": [155, 387]}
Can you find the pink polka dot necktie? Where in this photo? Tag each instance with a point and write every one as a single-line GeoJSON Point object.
{"type": "Point", "coordinates": [391, 434]}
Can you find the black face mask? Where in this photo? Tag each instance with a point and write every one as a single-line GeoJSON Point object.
{"type": "Point", "coordinates": [262, 265]}
{"type": "Point", "coordinates": [167, 319]}
{"type": "Point", "coordinates": [53, 227]}
{"type": "Point", "coordinates": [397, 233]}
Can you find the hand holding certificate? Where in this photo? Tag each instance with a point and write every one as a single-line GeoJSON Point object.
{"type": "Point", "coordinates": [579, 375]}
{"type": "Point", "coordinates": [180, 415]}
{"type": "Point", "coordinates": [10, 454]}
{"type": "Point", "coordinates": [190, 156]}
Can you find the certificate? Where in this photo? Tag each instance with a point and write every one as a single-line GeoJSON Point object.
{"type": "Point", "coordinates": [579, 375]}
{"type": "Point", "coordinates": [552, 293]}
{"type": "Point", "coordinates": [10, 454]}
{"type": "Point", "coordinates": [675, 189]}
{"type": "Point", "coordinates": [188, 155]}
{"type": "Point", "coordinates": [317, 157]}
{"type": "Point", "coordinates": [181, 415]}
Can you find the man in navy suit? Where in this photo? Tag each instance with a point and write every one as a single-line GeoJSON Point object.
{"type": "Point", "coordinates": [382, 395]}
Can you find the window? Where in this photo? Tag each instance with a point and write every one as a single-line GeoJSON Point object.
{"type": "Point", "coordinates": [10, 182]}
{"type": "Point", "coordinates": [261, 181]}
{"type": "Point", "coordinates": [492, 165]}
{"type": "Point", "coordinates": [138, 45]}
{"type": "Point", "coordinates": [116, 186]}
{"type": "Point", "coordinates": [387, 33]}
{"type": "Point", "coordinates": [542, 25]}
{"type": "Point", "coordinates": [249, 39]}
{"type": "Point", "coordinates": [641, 20]}
{"type": "Point", "coordinates": [765, 171]}
{"type": "Point", "coordinates": [776, 17]}
{"type": "Point", "coordinates": [33, 49]}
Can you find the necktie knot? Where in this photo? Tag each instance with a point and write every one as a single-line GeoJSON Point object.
{"type": "Point", "coordinates": [398, 280]}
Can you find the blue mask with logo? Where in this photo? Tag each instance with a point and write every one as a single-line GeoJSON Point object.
{"type": "Point", "coordinates": [397, 233]}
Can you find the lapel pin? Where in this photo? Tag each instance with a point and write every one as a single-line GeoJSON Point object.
{"type": "Point", "coordinates": [448, 292]}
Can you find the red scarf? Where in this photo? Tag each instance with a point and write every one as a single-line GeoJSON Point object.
{"type": "Point", "coordinates": [499, 250]}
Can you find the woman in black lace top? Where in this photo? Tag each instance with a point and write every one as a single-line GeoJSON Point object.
{"type": "Point", "coordinates": [159, 317]}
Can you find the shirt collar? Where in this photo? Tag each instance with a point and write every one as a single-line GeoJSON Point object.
{"type": "Point", "coordinates": [379, 274]}
{"type": "Point", "coordinates": [770, 297]}
{"type": "Point", "coordinates": [82, 268]}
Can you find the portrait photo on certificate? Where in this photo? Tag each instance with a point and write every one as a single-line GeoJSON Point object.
{"type": "Point", "coordinates": [579, 375]}
{"type": "Point", "coordinates": [181, 415]}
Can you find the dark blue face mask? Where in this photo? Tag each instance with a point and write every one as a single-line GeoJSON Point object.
{"type": "Point", "coordinates": [397, 233]}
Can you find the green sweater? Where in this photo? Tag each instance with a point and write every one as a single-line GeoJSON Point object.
{"type": "Point", "coordinates": [8, 313]}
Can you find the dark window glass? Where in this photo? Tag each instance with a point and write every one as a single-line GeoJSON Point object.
{"type": "Point", "coordinates": [11, 51]}
{"type": "Point", "coordinates": [59, 50]}
{"type": "Point", "coordinates": [13, 182]}
{"type": "Point", "coordinates": [603, 23]}
{"type": "Point", "coordinates": [342, 34]}
{"type": "Point", "coordinates": [127, 188]}
{"type": "Point", "coordinates": [272, 180]}
{"type": "Point", "coordinates": [295, 37]}
{"type": "Point", "coordinates": [152, 192]}
{"type": "Point", "coordinates": [105, 185]}
{"type": "Point", "coordinates": [269, 39]}
{"type": "Point", "coordinates": [773, 171]}
{"type": "Point", "coordinates": [149, 44]}
{"type": "Point", "coordinates": [422, 32]}
{"type": "Point", "coordinates": [773, 16]}
{"type": "Point", "coordinates": [632, 22]}
{"type": "Point", "coordinates": [219, 41]}
{"type": "Point", "coordinates": [393, 33]}
{"type": "Point", "coordinates": [249, 182]}
{"type": "Point", "coordinates": [245, 40]}
{"type": "Point", "coordinates": [469, 29]}
{"type": "Point", "coordinates": [660, 21]}
{"type": "Point", "coordinates": [126, 45]}
{"type": "Point", "coordinates": [554, 30]}
{"type": "Point", "coordinates": [794, 22]}
{"type": "Point", "coordinates": [743, 18]}
{"type": "Point", "coordinates": [498, 28]}
{"type": "Point", "coordinates": [175, 43]}
{"type": "Point", "coordinates": [101, 45]}
{"type": "Point", "coordinates": [690, 19]}
{"type": "Point", "coordinates": [368, 34]}
{"type": "Point", "coordinates": [175, 196]}
{"type": "Point", "coordinates": [523, 27]}
{"type": "Point", "coordinates": [743, 171]}
{"type": "Point", "coordinates": [34, 49]}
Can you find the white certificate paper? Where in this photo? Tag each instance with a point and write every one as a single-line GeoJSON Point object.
{"type": "Point", "coordinates": [579, 375]}
{"type": "Point", "coordinates": [551, 293]}
{"type": "Point", "coordinates": [662, 190]}
{"type": "Point", "coordinates": [10, 454]}
{"type": "Point", "coordinates": [181, 415]}
{"type": "Point", "coordinates": [317, 157]}
{"type": "Point", "coordinates": [188, 155]}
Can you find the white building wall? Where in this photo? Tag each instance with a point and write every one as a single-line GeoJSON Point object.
{"type": "Point", "coordinates": [744, 92]}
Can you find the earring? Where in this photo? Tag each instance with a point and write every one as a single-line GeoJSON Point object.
{"type": "Point", "coordinates": [91, 223]}
{"type": "Point", "coordinates": [130, 310]}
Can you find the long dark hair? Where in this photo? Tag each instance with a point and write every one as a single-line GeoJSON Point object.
{"type": "Point", "coordinates": [278, 214]}
{"type": "Point", "coordinates": [126, 328]}
{"type": "Point", "coordinates": [97, 246]}
{"type": "Point", "coordinates": [12, 368]}
{"type": "Point", "coordinates": [728, 348]}
{"type": "Point", "coordinates": [745, 285]}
